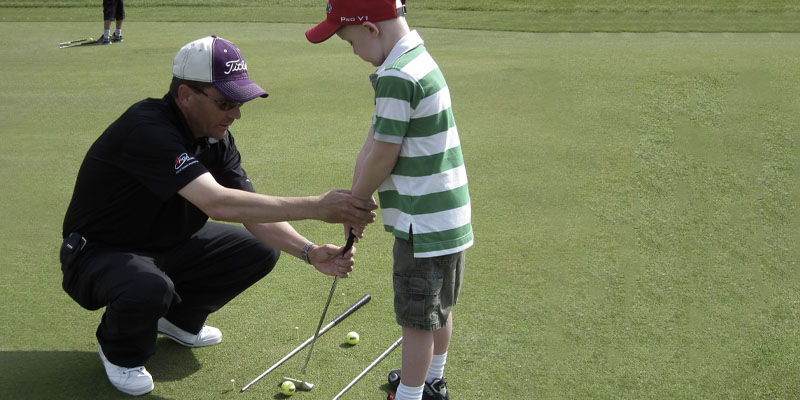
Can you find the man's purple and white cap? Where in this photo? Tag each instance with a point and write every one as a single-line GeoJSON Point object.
{"type": "Point", "coordinates": [217, 61]}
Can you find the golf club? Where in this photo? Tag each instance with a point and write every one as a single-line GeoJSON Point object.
{"type": "Point", "coordinates": [90, 42]}
{"type": "Point", "coordinates": [300, 385]}
{"type": "Point", "coordinates": [69, 42]}
{"type": "Point", "coordinates": [360, 303]}
{"type": "Point", "coordinates": [350, 238]}
{"type": "Point", "coordinates": [370, 367]}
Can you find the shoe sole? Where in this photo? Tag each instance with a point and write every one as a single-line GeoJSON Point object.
{"type": "Point", "coordinates": [137, 393]}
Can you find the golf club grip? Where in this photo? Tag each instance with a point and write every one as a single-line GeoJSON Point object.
{"type": "Point", "coordinates": [360, 303]}
{"type": "Point", "coordinates": [349, 245]}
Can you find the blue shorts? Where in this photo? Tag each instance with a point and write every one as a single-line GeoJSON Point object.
{"type": "Point", "coordinates": [425, 289]}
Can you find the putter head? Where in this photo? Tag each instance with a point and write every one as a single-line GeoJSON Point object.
{"type": "Point", "coordinates": [301, 385]}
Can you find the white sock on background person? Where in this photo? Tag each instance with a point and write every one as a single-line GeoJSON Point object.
{"type": "Point", "coordinates": [408, 392]}
{"type": "Point", "coordinates": [436, 370]}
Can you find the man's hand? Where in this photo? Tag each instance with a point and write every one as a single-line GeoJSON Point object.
{"type": "Point", "coordinates": [340, 206]}
{"type": "Point", "coordinates": [357, 230]}
{"type": "Point", "coordinates": [329, 260]}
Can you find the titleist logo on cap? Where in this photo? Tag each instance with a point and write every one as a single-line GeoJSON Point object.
{"type": "Point", "coordinates": [235, 65]}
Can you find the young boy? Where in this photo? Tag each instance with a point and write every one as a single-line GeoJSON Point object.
{"type": "Point", "coordinates": [412, 157]}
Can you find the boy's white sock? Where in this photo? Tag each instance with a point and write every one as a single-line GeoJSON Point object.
{"type": "Point", "coordinates": [106, 32]}
{"type": "Point", "coordinates": [408, 392]}
{"type": "Point", "coordinates": [436, 371]}
{"type": "Point", "coordinates": [118, 32]}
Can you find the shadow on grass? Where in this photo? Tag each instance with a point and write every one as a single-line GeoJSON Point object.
{"type": "Point", "coordinates": [80, 374]}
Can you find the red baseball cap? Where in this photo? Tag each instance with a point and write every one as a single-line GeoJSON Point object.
{"type": "Point", "coordinates": [354, 12]}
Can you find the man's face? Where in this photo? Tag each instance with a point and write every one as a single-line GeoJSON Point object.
{"type": "Point", "coordinates": [206, 116]}
{"type": "Point", "coordinates": [365, 44]}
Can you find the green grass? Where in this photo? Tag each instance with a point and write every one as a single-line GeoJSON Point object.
{"type": "Point", "coordinates": [634, 198]}
{"type": "Point", "coordinates": [508, 15]}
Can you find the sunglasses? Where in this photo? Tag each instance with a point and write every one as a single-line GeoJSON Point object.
{"type": "Point", "coordinates": [223, 105]}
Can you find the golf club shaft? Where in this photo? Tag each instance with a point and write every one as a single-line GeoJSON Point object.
{"type": "Point", "coordinates": [75, 45]}
{"type": "Point", "coordinates": [73, 41]}
{"type": "Point", "coordinates": [351, 237]}
{"type": "Point", "coordinates": [316, 335]}
{"type": "Point", "coordinates": [370, 367]}
{"type": "Point", "coordinates": [336, 321]}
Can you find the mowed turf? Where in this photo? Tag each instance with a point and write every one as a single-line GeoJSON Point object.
{"type": "Point", "coordinates": [634, 201]}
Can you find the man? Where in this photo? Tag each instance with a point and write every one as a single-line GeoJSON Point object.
{"type": "Point", "coordinates": [137, 236]}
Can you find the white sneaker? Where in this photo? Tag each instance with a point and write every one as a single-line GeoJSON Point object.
{"type": "Point", "coordinates": [208, 336]}
{"type": "Point", "coordinates": [134, 381]}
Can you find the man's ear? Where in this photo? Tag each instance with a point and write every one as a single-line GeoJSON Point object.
{"type": "Point", "coordinates": [373, 29]}
{"type": "Point", "coordinates": [183, 94]}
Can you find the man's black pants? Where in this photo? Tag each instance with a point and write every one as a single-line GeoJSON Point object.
{"type": "Point", "coordinates": [183, 284]}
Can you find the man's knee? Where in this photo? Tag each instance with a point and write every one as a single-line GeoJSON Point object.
{"type": "Point", "coordinates": [153, 291]}
{"type": "Point", "coordinates": [266, 260]}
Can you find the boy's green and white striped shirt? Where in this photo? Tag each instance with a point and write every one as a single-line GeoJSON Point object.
{"type": "Point", "coordinates": [427, 190]}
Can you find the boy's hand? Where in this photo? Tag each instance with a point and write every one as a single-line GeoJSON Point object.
{"type": "Point", "coordinates": [329, 260]}
{"type": "Point", "coordinates": [358, 231]}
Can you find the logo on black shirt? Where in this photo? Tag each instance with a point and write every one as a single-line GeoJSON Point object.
{"type": "Point", "coordinates": [182, 161]}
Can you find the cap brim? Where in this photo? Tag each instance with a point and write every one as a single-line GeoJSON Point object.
{"type": "Point", "coordinates": [240, 91]}
{"type": "Point", "coordinates": [322, 31]}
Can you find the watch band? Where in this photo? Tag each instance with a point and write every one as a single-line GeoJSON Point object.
{"type": "Point", "coordinates": [304, 252]}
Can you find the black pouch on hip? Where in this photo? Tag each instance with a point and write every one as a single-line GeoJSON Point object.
{"type": "Point", "coordinates": [71, 248]}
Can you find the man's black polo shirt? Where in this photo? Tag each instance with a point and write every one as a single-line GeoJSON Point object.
{"type": "Point", "coordinates": [126, 193]}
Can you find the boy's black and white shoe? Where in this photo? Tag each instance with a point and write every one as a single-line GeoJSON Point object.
{"type": "Point", "coordinates": [436, 390]}
{"type": "Point", "coordinates": [103, 40]}
{"type": "Point", "coordinates": [116, 38]}
{"type": "Point", "coordinates": [394, 379]}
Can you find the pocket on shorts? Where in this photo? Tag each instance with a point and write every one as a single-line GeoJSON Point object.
{"type": "Point", "coordinates": [419, 284]}
{"type": "Point", "coordinates": [417, 297]}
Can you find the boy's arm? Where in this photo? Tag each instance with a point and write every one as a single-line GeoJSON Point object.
{"type": "Point", "coordinates": [365, 149]}
{"type": "Point", "coordinates": [374, 165]}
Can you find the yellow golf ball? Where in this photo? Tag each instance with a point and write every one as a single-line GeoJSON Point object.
{"type": "Point", "coordinates": [352, 338]}
{"type": "Point", "coordinates": [288, 388]}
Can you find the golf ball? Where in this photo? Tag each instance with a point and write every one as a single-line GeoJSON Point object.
{"type": "Point", "coordinates": [288, 388]}
{"type": "Point", "coordinates": [352, 338]}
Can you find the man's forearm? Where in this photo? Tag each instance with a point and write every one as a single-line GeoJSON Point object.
{"type": "Point", "coordinates": [280, 235]}
{"type": "Point", "coordinates": [232, 205]}
{"type": "Point", "coordinates": [241, 206]}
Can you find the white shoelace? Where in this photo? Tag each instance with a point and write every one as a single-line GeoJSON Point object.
{"type": "Point", "coordinates": [129, 370]}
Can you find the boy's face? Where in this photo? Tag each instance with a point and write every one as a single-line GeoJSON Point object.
{"type": "Point", "coordinates": [365, 41]}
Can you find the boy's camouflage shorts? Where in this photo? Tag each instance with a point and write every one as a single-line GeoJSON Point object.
{"type": "Point", "coordinates": [425, 289]}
